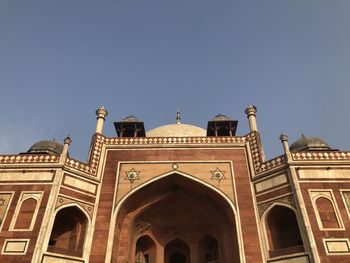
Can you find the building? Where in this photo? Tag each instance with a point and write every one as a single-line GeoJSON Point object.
{"type": "Point", "coordinates": [176, 194]}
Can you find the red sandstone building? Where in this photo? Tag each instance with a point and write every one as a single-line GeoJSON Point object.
{"type": "Point", "coordinates": [176, 194]}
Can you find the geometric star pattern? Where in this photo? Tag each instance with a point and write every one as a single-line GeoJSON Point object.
{"type": "Point", "coordinates": [218, 175]}
{"type": "Point", "coordinates": [132, 175]}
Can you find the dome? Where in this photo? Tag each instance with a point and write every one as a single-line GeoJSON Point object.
{"type": "Point", "coordinates": [222, 117]}
{"type": "Point", "coordinates": [177, 130]}
{"type": "Point", "coordinates": [49, 147]}
{"type": "Point", "coordinates": [305, 143]}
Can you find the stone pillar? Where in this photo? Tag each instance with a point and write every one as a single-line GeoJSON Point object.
{"type": "Point", "coordinates": [64, 154]}
{"type": "Point", "coordinates": [251, 111]}
{"type": "Point", "coordinates": [101, 113]}
{"type": "Point", "coordinates": [284, 141]}
{"type": "Point", "coordinates": [194, 253]}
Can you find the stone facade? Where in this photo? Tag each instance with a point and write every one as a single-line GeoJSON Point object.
{"type": "Point", "coordinates": [176, 199]}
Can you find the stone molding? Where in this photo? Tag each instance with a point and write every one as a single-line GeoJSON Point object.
{"type": "Point", "coordinates": [28, 158]}
{"type": "Point", "coordinates": [321, 156]}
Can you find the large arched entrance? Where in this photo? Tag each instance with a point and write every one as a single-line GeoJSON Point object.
{"type": "Point", "coordinates": [178, 213]}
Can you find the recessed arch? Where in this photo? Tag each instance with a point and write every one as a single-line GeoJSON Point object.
{"type": "Point", "coordinates": [26, 213]}
{"type": "Point", "coordinates": [162, 176]}
{"type": "Point", "coordinates": [177, 251]}
{"type": "Point", "coordinates": [69, 230]}
{"type": "Point", "coordinates": [208, 251]}
{"type": "Point", "coordinates": [282, 240]}
{"type": "Point", "coordinates": [326, 211]}
{"type": "Point", "coordinates": [145, 250]}
{"type": "Point", "coordinates": [177, 199]}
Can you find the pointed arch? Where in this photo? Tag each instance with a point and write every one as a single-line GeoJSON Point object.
{"type": "Point", "coordinates": [136, 211]}
{"type": "Point", "coordinates": [145, 250]}
{"type": "Point", "coordinates": [26, 213]}
{"type": "Point", "coordinates": [282, 240]}
{"type": "Point", "coordinates": [327, 215]}
{"type": "Point", "coordinates": [177, 251]}
{"type": "Point", "coordinates": [208, 250]}
{"type": "Point", "coordinates": [69, 230]}
{"type": "Point", "coordinates": [160, 177]}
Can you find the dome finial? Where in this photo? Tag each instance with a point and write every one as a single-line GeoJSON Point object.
{"type": "Point", "coordinates": [178, 117]}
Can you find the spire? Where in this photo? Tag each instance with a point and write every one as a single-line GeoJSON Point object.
{"type": "Point", "coordinates": [178, 117]}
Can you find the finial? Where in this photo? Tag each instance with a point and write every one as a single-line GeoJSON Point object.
{"type": "Point", "coordinates": [68, 140]}
{"type": "Point", "coordinates": [178, 117]}
{"type": "Point", "coordinates": [101, 112]}
{"type": "Point", "coordinates": [283, 137]}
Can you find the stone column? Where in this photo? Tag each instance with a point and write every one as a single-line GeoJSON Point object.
{"type": "Point", "coordinates": [251, 114]}
{"type": "Point", "coordinates": [64, 154]}
{"type": "Point", "coordinates": [284, 141]}
{"type": "Point", "coordinates": [101, 113]}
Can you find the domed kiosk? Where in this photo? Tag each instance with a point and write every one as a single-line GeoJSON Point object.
{"type": "Point", "coordinates": [46, 146]}
{"type": "Point", "coordinates": [306, 143]}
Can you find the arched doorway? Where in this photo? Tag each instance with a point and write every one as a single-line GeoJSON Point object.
{"type": "Point", "coordinates": [177, 251]}
{"type": "Point", "coordinates": [175, 208]}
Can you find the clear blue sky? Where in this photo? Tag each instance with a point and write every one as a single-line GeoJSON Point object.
{"type": "Point", "coordinates": [60, 60]}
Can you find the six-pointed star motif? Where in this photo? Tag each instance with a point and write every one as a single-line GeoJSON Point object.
{"type": "Point", "coordinates": [132, 175]}
{"type": "Point", "coordinates": [217, 174]}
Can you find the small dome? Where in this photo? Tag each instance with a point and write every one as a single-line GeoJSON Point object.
{"type": "Point", "coordinates": [130, 118]}
{"type": "Point", "coordinates": [222, 117]}
{"type": "Point", "coordinates": [49, 147]}
{"type": "Point", "coordinates": [177, 130]}
{"type": "Point", "coordinates": [305, 143]}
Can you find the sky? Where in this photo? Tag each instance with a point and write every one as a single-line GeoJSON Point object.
{"type": "Point", "coordinates": [61, 60]}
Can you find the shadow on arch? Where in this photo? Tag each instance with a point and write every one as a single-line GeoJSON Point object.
{"type": "Point", "coordinates": [175, 207]}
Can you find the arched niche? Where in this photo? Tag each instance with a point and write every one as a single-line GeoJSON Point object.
{"type": "Point", "coordinates": [177, 251]}
{"type": "Point", "coordinates": [175, 207]}
{"type": "Point", "coordinates": [145, 251]}
{"type": "Point", "coordinates": [26, 213]}
{"type": "Point", "coordinates": [68, 232]}
{"type": "Point", "coordinates": [327, 215]}
{"type": "Point", "coordinates": [283, 231]}
{"type": "Point", "coordinates": [208, 250]}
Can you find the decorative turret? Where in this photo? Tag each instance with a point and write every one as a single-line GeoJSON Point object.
{"type": "Point", "coordinates": [284, 141]}
{"type": "Point", "coordinates": [101, 113]}
{"type": "Point", "coordinates": [251, 114]}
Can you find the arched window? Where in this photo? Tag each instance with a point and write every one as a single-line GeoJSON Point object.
{"type": "Point", "coordinates": [326, 212]}
{"type": "Point", "coordinates": [26, 214]}
{"type": "Point", "coordinates": [145, 250]}
{"type": "Point", "coordinates": [283, 231]}
{"type": "Point", "coordinates": [68, 232]}
{"type": "Point", "coordinates": [208, 250]}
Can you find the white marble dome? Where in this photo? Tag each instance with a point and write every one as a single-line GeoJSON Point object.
{"type": "Point", "coordinates": [177, 130]}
